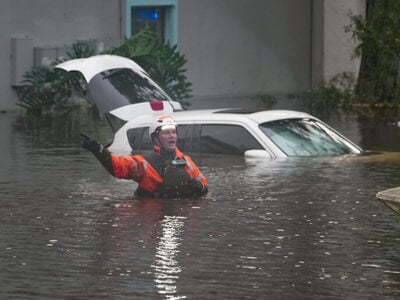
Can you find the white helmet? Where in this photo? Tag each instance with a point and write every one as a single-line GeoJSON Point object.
{"type": "Point", "coordinates": [160, 123]}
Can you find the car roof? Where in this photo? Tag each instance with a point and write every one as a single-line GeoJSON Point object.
{"type": "Point", "coordinates": [238, 114]}
{"type": "Point", "coordinates": [222, 115]}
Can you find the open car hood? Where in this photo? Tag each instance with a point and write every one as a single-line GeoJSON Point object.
{"type": "Point", "coordinates": [121, 87]}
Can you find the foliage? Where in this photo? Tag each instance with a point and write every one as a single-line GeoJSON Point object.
{"type": "Point", "coordinates": [378, 38]}
{"type": "Point", "coordinates": [332, 95]}
{"type": "Point", "coordinates": [46, 88]}
{"type": "Point", "coordinates": [162, 62]}
{"type": "Point", "coordinates": [265, 101]}
{"type": "Point", "coordinates": [80, 51]}
{"type": "Point", "coordinates": [338, 94]}
{"type": "Point", "coordinates": [379, 32]}
{"type": "Point", "coordinates": [376, 92]}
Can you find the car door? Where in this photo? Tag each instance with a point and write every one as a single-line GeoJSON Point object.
{"type": "Point", "coordinates": [226, 139]}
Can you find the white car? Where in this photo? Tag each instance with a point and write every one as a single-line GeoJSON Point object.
{"type": "Point", "coordinates": [122, 89]}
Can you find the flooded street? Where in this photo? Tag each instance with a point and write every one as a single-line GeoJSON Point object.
{"type": "Point", "coordinates": [296, 228]}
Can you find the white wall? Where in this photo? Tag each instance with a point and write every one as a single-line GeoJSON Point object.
{"type": "Point", "coordinates": [52, 23]}
{"type": "Point", "coordinates": [240, 48]}
{"type": "Point", "coordinates": [332, 46]}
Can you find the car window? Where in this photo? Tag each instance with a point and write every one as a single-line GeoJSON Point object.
{"type": "Point", "coordinates": [188, 138]}
{"type": "Point", "coordinates": [304, 137]}
{"type": "Point", "coordinates": [134, 87]}
{"type": "Point", "coordinates": [226, 139]}
{"type": "Point", "coordinates": [194, 138]}
{"type": "Point", "coordinates": [123, 87]}
{"type": "Point", "coordinates": [139, 139]}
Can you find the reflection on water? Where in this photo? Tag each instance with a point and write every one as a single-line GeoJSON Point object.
{"type": "Point", "coordinates": [290, 228]}
{"type": "Point", "coordinates": [166, 266]}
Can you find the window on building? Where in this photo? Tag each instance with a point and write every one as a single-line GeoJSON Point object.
{"type": "Point", "coordinates": [152, 16]}
{"type": "Point", "coordinates": [160, 15]}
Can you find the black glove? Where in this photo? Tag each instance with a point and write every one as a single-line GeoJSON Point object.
{"type": "Point", "coordinates": [102, 154]}
{"type": "Point", "coordinates": [91, 145]}
{"type": "Point", "coordinates": [195, 185]}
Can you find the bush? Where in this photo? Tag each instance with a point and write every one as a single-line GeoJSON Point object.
{"type": "Point", "coordinates": [333, 95]}
{"type": "Point", "coordinates": [162, 62]}
{"type": "Point", "coordinates": [49, 89]}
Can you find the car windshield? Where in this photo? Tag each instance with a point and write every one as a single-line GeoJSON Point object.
{"type": "Point", "coordinates": [305, 137]}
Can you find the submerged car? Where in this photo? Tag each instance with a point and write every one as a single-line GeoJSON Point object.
{"type": "Point", "coordinates": [122, 89]}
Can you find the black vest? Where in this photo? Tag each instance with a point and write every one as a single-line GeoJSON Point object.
{"type": "Point", "coordinates": [175, 178]}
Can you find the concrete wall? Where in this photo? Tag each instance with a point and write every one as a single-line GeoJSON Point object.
{"type": "Point", "coordinates": [54, 23]}
{"type": "Point", "coordinates": [237, 48]}
{"type": "Point", "coordinates": [332, 46]}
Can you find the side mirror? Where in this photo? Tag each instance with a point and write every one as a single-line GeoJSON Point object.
{"type": "Point", "coordinates": [257, 154]}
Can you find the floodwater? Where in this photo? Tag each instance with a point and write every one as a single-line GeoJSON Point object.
{"type": "Point", "coordinates": [278, 229]}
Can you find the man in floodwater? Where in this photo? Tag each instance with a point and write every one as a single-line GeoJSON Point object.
{"type": "Point", "coordinates": [166, 172]}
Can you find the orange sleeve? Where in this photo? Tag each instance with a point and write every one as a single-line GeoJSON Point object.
{"type": "Point", "coordinates": [195, 171]}
{"type": "Point", "coordinates": [128, 167]}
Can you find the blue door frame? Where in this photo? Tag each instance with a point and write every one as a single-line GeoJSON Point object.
{"type": "Point", "coordinates": [171, 17]}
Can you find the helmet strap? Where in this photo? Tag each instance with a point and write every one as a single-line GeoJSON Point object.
{"type": "Point", "coordinates": [157, 141]}
{"type": "Point", "coordinates": [162, 151]}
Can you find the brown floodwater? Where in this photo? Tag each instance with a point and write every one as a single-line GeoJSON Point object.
{"type": "Point", "coordinates": [295, 228]}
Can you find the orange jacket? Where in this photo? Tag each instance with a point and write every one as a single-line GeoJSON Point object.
{"type": "Point", "coordinates": [137, 168]}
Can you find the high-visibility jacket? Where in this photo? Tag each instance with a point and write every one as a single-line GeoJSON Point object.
{"type": "Point", "coordinates": [152, 181]}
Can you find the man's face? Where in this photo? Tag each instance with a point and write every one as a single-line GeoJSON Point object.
{"type": "Point", "coordinates": [168, 138]}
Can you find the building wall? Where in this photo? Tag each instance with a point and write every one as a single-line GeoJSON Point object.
{"type": "Point", "coordinates": [44, 23]}
{"type": "Point", "coordinates": [332, 46]}
{"type": "Point", "coordinates": [236, 48]}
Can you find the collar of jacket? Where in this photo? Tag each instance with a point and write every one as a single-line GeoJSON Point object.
{"type": "Point", "coordinates": [164, 154]}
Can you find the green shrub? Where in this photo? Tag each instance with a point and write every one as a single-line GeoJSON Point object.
{"type": "Point", "coordinates": [265, 101]}
{"type": "Point", "coordinates": [339, 94]}
{"type": "Point", "coordinates": [335, 94]}
{"type": "Point", "coordinates": [47, 89]}
{"type": "Point", "coordinates": [50, 89]}
{"type": "Point", "coordinates": [162, 62]}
